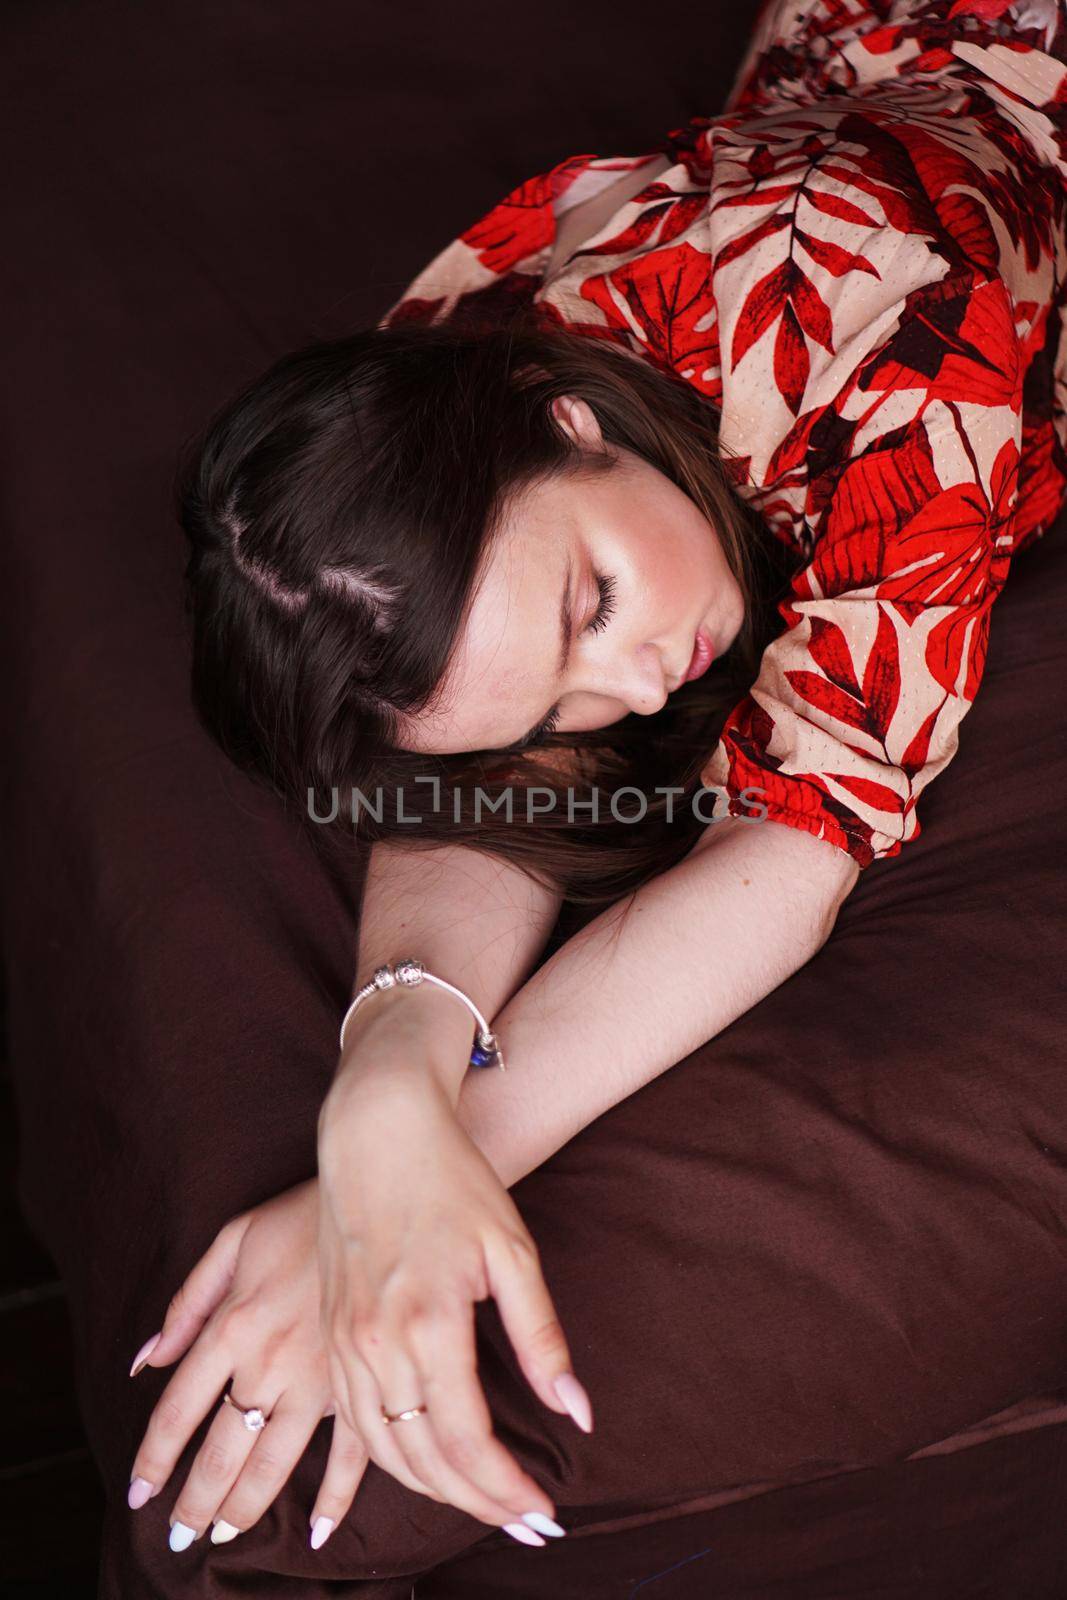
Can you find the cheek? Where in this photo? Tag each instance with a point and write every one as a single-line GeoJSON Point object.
{"type": "Point", "coordinates": [699, 564]}
{"type": "Point", "coordinates": [694, 580]}
{"type": "Point", "coordinates": [670, 581]}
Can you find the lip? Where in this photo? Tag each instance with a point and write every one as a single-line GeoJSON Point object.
{"type": "Point", "coordinates": [702, 657]}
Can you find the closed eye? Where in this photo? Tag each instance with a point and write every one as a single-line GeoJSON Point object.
{"type": "Point", "coordinates": [604, 612]}
{"type": "Point", "coordinates": [606, 608]}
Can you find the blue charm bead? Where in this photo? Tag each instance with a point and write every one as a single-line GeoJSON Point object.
{"type": "Point", "coordinates": [484, 1055]}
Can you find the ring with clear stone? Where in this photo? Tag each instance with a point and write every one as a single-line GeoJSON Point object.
{"type": "Point", "coordinates": [252, 1417]}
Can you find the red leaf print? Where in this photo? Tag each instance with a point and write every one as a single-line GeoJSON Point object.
{"type": "Point", "coordinates": [829, 698]}
{"type": "Point", "coordinates": [881, 40]}
{"type": "Point", "coordinates": [990, 9]}
{"type": "Point", "coordinates": [891, 527]}
{"type": "Point", "coordinates": [668, 293]}
{"type": "Point", "coordinates": [899, 212]}
{"type": "Point", "coordinates": [956, 343]}
{"type": "Point", "coordinates": [747, 241]}
{"type": "Point", "coordinates": [762, 304]}
{"type": "Point", "coordinates": [915, 756]}
{"type": "Point", "coordinates": [790, 453]}
{"type": "Point", "coordinates": [874, 794]}
{"type": "Point", "coordinates": [833, 257]}
{"type": "Point", "coordinates": [881, 680]}
{"type": "Point", "coordinates": [947, 642]}
{"type": "Point", "coordinates": [737, 468]}
{"type": "Point", "coordinates": [829, 650]}
{"type": "Point", "coordinates": [835, 206]}
{"type": "Point", "coordinates": [811, 310]}
{"type": "Point", "coordinates": [791, 363]}
{"type": "Point", "coordinates": [677, 213]}
{"type": "Point", "coordinates": [759, 197]}
{"type": "Point", "coordinates": [967, 221]}
{"type": "Point", "coordinates": [514, 229]}
{"type": "Point", "coordinates": [933, 60]}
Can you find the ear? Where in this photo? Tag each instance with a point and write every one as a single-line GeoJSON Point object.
{"type": "Point", "coordinates": [577, 420]}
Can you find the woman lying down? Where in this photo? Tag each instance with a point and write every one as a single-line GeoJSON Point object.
{"type": "Point", "coordinates": [645, 552]}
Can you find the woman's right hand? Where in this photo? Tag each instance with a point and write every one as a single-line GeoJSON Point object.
{"type": "Point", "coordinates": [415, 1227]}
{"type": "Point", "coordinates": [248, 1311]}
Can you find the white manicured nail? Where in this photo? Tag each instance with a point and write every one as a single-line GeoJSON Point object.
{"type": "Point", "coordinates": [543, 1524]}
{"type": "Point", "coordinates": [521, 1532]}
{"type": "Point", "coordinates": [223, 1532]}
{"type": "Point", "coordinates": [321, 1532]}
{"type": "Point", "coordinates": [181, 1537]}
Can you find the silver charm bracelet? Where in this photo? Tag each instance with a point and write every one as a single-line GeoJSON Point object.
{"type": "Point", "coordinates": [486, 1051]}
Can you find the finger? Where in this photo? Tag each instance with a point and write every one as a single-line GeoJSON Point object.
{"type": "Point", "coordinates": [345, 1466]}
{"type": "Point", "coordinates": [185, 1402]}
{"type": "Point", "coordinates": [342, 1394]}
{"type": "Point", "coordinates": [275, 1451]}
{"type": "Point", "coordinates": [531, 1323]}
{"type": "Point", "coordinates": [226, 1447]}
{"type": "Point", "coordinates": [379, 1439]}
{"type": "Point", "coordinates": [199, 1294]}
{"type": "Point", "coordinates": [458, 1450]}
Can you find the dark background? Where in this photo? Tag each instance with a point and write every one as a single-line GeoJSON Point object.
{"type": "Point", "coordinates": [50, 1492]}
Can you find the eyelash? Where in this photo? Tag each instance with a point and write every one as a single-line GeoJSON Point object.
{"type": "Point", "coordinates": [606, 608]}
{"type": "Point", "coordinates": [604, 612]}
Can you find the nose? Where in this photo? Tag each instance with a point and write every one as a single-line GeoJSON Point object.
{"type": "Point", "coordinates": [645, 683]}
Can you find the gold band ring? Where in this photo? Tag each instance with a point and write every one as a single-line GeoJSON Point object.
{"type": "Point", "coordinates": [402, 1416]}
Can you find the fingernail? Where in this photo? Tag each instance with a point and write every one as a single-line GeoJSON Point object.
{"type": "Point", "coordinates": [320, 1532]}
{"type": "Point", "coordinates": [575, 1399]}
{"type": "Point", "coordinates": [181, 1537]}
{"type": "Point", "coordinates": [521, 1532]}
{"type": "Point", "coordinates": [543, 1524]}
{"type": "Point", "coordinates": [223, 1532]}
{"type": "Point", "coordinates": [144, 1352]}
{"type": "Point", "coordinates": [139, 1493]}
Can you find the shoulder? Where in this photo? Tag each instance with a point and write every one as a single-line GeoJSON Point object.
{"type": "Point", "coordinates": [843, 277]}
{"type": "Point", "coordinates": [498, 259]}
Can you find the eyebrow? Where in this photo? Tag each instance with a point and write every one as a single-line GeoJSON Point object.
{"type": "Point", "coordinates": [566, 630]}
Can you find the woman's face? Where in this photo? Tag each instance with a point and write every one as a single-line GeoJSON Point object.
{"type": "Point", "coordinates": [637, 569]}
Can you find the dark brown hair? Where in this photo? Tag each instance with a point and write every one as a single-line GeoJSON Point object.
{"type": "Point", "coordinates": [339, 512]}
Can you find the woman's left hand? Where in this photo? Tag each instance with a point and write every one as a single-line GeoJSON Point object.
{"type": "Point", "coordinates": [415, 1228]}
{"type": "Point", "coordinates": [249, 1310]}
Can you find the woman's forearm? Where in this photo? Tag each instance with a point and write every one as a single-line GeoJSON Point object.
{"type": "Point", "coordinates": [473, 919]}
{"type": "Point", "coordinates": [623, 1000]}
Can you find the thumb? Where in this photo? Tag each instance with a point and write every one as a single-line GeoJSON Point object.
{"type": "Point", "coordinates": [196, 1298]}
{"type": "Point", "coordinates": [530, 1322]}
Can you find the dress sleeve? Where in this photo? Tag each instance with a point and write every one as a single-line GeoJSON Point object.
{"type": "Point", "coordinates": [858, 702]}
{"type": "Point", "coordinates": [498, 262]}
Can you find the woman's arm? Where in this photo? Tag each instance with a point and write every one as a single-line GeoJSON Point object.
{"type": "Point", "coordinates": [480, 923]}
{"type": "Point", "coordinates": [471, 918]}
{"type": "Point", "coordinates": [703, 942]}
{"type": "Point", "coordinates": [616, 1006]}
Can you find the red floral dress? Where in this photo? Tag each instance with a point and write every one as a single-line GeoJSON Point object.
{"type": "Point", "coordinates": [863, 263]}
